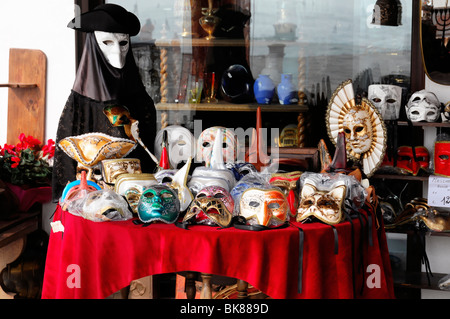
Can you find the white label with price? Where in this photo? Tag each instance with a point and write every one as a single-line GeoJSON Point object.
{"type": "Point", "coordinates": [439, 191]}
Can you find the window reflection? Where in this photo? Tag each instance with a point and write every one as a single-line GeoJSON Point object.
{"type": "Point", "coordinates": [320, 42]}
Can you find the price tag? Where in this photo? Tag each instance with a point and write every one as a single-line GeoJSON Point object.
{"type": "Point", "coordinates": [439, 191]}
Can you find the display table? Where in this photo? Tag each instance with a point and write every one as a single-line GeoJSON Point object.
{"type": "Point", "coordinates": [94, 260]}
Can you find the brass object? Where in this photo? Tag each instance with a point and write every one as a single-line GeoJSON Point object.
{"type": "Point", "coordinates": [209, 21]}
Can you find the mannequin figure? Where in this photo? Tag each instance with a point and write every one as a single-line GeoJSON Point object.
{"type": "Point", "coordinates": [107, 75]}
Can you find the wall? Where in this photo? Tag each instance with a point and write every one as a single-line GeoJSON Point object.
{"type": "Point", "coordinates": [39, 25]}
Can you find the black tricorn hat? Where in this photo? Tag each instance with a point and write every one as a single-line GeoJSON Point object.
{"type": "Point", "coordinates": [108, 18]}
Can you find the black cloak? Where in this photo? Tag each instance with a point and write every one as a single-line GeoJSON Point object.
{"type": "Point", "coordinates": [98, 84]}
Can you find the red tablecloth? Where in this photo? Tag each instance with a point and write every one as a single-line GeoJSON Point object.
{"type": "Point", "coordinates": [94, 260]}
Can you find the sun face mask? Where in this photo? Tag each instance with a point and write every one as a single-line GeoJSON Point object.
{"type": "Point", "coordinates": [387, 99]}
{"type": "Point", "coordinates": [323, 205]}
{"type": "Point", "coordinates": [362, 124]}
{"type": "Point", "coordinates": [423, 106]}
{"type": "Point", "coordinates": [159, 203]}
{"type": "Point", "coordinates": [114, 47]}
{"type": "Point", "coordinates": [406, 161]}
{"type": "Point", "coordinates": [212, 206]}
{"type": "Point", "coordinates": [442, 158]}
{"type": "Point", "coordinates": [265, 207]}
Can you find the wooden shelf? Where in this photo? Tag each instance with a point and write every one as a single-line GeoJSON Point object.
{"type": "Point", "coordinates": [230, 107]}
{"type": "Point", "coordinates": [417, 280]}
{"type": "Point", "coordinates": [401, 177]}
{"type": "Point", "coordinates": [19, 227]}
{"type": "Point", "coordinates": [18, 85]}
{"type": "Point", "coordinates": [425, 124]}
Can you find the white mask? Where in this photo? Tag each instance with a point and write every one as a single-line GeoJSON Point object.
{"type": "Point", "coordinates": [181, 144]}
{"type": "Point", "coordinates": [114, 47]}
{"type": "Point", "coordinates": [423, 106]}
{"type": "Point", "coordinates": [387, 99]}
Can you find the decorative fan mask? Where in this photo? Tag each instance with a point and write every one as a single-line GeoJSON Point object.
{"type": "Point", "coordinates": [365, 132]}
{"type": "Point", "coordinates": [213, 206]}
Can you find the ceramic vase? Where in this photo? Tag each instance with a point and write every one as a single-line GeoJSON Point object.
{"type": "Point", "coordinates": [287, 94]}
{"type": "Point", "coordinates": [264, 89]}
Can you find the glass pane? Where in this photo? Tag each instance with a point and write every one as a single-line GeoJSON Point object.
{"type": "Point", "coordinates": [331, 40]}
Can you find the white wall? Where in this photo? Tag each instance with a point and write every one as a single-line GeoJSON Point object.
{"type": "Point", "coordinates": [41, 25]}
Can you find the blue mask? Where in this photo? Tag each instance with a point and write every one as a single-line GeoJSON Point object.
{"type": "Point", "coordinates": [159, 203]}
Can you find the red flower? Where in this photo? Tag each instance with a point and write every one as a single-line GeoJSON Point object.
{"type": "Point", "coordinates": [8, 148]}
{"type": "Point", "coordinates": [27, 142]}
{"type": "Point", "coordinates": [49, 148]}
{"type": "Point", "coordinates": [16, 161]}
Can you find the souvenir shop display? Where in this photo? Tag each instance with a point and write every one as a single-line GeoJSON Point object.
{"type": "Point", "coordinates": [104, 78]}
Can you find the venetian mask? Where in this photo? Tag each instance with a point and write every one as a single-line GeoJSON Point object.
{"type": "Point", "coordinates": [442, 158]}
{"type": "Point", "coordinates": [159, 203]}
{"type": "Point", "coordinates": [229, 145]}
{"type": "Point", "coordinates": [105, 205]}
{"type": "Point", "coordinates": [114, 47]}
{"type": "Point", "coordinates": [131, 187]}
{"type": "Point", "coordinates": [423, 106]}
{"type": "Point", "coordinates": [216, 173]}
{"type": "Point", "coordinates": [387, 99]}
{"type": "Point", "coordinates": [265, 207]}
{"type": "Point", "coordinates": [322, 204]}
{"type": "Point", "coordinates": [212, 206]}
{"type": "Point", "coordinates": [180, 144]}
{"type": "Point", "coordinates": [406, 161]}
{"type": "Point", "coordinates": [288, 184]}
{"type": "Point", "coordinates": [362, 124]}
{"type": "Point", "coordinates": [112, 169]}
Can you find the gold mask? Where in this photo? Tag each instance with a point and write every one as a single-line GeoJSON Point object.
{"type": "Point", "coordinates": [323, 205]}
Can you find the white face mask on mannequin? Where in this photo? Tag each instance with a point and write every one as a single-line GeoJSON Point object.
{"type": "Point", "coordinates": [114, 47]}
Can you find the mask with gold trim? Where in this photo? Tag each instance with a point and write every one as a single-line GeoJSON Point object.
{"type": "Point", "coordinates": [131, 187]}
{"type": "Point", "coordinates": [113, 168]}
{"type": "Point", "coordinates": [323, 205]}
{"type": "Point", "coordinates": [365, 132]}
{"type": "Point", "coordinates": [159, 203]}
{"type": "Point", "coordinates": [92, 148]}
{"type": "Point", "coordinates": [265, 207]}
{"type": "Point", "coordinates": [212, 206]}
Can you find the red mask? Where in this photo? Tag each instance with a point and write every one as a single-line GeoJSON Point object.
{"type": "Point", "coordinates": [406, 160]}
{"type": "Point", "coordinates": [442, 158]}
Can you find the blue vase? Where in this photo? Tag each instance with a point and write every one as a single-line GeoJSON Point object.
{"type": "Point", "coordinates": [264, 89]}
{"type": "Point", "coordinates": [287, 94]}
